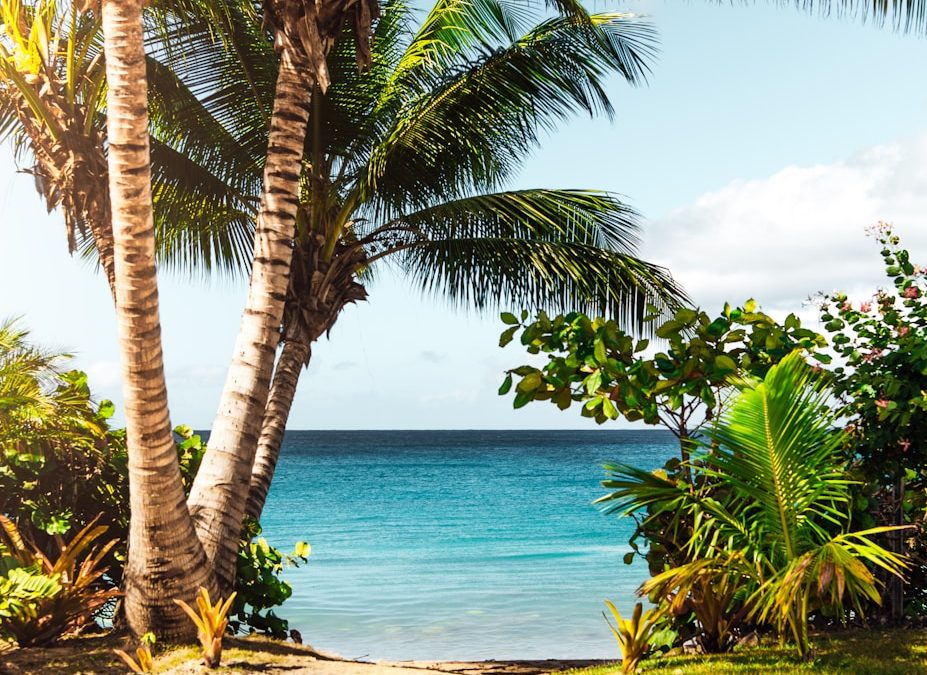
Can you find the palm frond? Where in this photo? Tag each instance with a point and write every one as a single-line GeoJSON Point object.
{"type": "Point", "coordinates": [493, 272]}
{"type": "Point", "coordinates": [467, 128]}
{"type": "Point", "coordinates": [777, 448]}
{"type": "Point", "coordinates": [902, 15]}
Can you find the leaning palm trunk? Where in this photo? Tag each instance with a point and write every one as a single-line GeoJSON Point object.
{"type": "Point", "coordinates": [294, 356]}
{"type": "Point", "coordinates": [319, 290]}
{"type": "Point", "coordinates": [166, 560]}
{"type": "Point", "coordinates": [217, 499]}
{"type": "Point", "coordinates": [304, 32]}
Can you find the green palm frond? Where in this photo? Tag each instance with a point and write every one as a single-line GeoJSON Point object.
{"type": "Point", "coordinates": [28, 375]}
{"type": "Point", "coordinates": [489, 272]}
{"type": "Point", "coordinates": [903, 15]}
{"type": "Point", "coordinates": [568, 216]}
{"type": "Point", "coordinates": [635, 490]}
{"type": "Point", "coordinates": [778, 449]}
{"type": "Point", "coordinates": [453, 28]}
{"type": "Point", "coordinates": [217, 221]}
{"type": "Point", "coordinates": [472, 125]}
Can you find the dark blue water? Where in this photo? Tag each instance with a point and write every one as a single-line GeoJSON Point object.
{"type": "Point", "coordinates": [456, 544]}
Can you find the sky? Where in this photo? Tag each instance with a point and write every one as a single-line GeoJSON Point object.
{"type": "Point", "coordinates": [765, 143]}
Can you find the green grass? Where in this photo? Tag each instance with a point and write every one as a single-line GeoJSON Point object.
{"type": "Point", "coordinates": [872, 652]}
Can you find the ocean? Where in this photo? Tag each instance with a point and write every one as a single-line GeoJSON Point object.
{"type": "Point", "coordinates": [456, 545]}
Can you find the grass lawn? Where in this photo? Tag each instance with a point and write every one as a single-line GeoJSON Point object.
{"type": "Point", "coordinates": [872, 652]}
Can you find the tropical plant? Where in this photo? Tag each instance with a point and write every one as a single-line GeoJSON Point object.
{"type": "Point", "coordinates": [161, 532]}
{"type": "Point", "coordinates": [210, 621]}
{"type": "Point", "coordinates": [595, 362]}
{"type": "Point", "coordinates": [145, 663]}
{"type": "Point", "coordinates": [258, 586]}
{"type": "Point", "coordinates": [411, 157]}
{"type": "Point", "coordinates": [61, 465]}
{"type": "Point", "coordinates": [68, 590]}
{"type": "Point", "coordinates": [52, 78]}
{"type": "Point", "coordinates": [22, 592]}
{"type": "Point", "coordinates": [635, 636]}
{"type": "Point", "coordinates": [882, 342]}
{"type": "Point", "coordinates": [303, 34]}
{"type": "Point", "coordinates": [397, 168]}
{"type": "Point", "coordinates": [775, 518]}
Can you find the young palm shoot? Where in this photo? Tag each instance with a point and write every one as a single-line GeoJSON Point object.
{"type": "Point", "coordinates": [211, 622]}
{"type": "Point", "coordinates": [634, 635]}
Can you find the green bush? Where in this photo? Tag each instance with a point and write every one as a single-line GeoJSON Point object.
{"type": "Point", "coordinates": [63, 467]}
{"type": "Point", "coordinates": [883, 344]}
{"type": "Point", "coordinates": [258, 584]}
{"type": "Point", "coordinates": [775, 523]}
{"type": "Point", "coordinates": [51, 596]}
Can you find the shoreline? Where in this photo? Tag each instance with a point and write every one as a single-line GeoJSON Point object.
{"type": "Point", "coordinates": [93, 655]}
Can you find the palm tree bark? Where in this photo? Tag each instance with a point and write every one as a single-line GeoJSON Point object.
{"type": "Point", "coordinates": [166, 561]}
{"type": "Point", "coordinates": [217, 499]}
{"type": "Point", "coordinates": [320, 288]}
{"type": "Point", "coordinates": [294, 356]}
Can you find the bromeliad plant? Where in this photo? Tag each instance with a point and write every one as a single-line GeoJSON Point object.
{"type": "Point", "coordinates": [773, 518]}
{"type": "Point", "coordinates": [62, 594]}
{"type": "Point", "coordinates": [637, 637]}
{"type": "Point", "coordinates": [211, 622]}
{"type": "Point", "coordinates": [144, 662]}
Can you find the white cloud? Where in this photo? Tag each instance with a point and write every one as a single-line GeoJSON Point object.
{"type": "Point", "coordinates": [797, 232]}
{"type": "Point", "coordinates": [103, 374]}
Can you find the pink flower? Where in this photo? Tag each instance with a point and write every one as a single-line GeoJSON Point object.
{"type": "Point", "coordinates": [882, 403]}
{"type": "Point", "coordinates": [846, 306]}
{"type": "Point", "coordinates": [865, 306]}
{"type": "Point", "coordinates": [912, 292]}
{"type": "Point", "coordinates": [905, 444]}
{"type": "Point", "coordinates": [873, 355]}
{"type": "Point", "coordinates": [903, 330]}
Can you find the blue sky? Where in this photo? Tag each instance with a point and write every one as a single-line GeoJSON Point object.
{"type": "Point", "coordinates": [767, 140]}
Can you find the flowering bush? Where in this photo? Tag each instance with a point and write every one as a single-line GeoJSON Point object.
{"type": "Point", "coordinates": [883, 388]}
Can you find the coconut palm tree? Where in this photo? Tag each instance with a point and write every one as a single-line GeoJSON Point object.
{"type": "Point", "coordinates": [433, 214]}
{"type": "Point", "coordinates": [303, 33]}
{"type": "Point", "coordinates": [52, 80]}
{"type": "Point", "coordinates": [404, 164]}
{"type": "Point", "coordinates": [165, 559]}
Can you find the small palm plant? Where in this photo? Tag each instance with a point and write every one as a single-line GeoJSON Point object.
{"type": "Point", "coordinates": [145, 662]}
{"type": "Point", "coordinates": [635, 635]}
{"type": "Point", "coordinates": [211, 622]}
{"type": "Point", "coordinates": [773, 518]}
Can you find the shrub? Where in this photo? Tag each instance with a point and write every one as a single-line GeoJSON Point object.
{"type": "Point", "coordinates": [779, 528]}
{"type": "Point", "coordinates": [258, 585]}
{"type": "Point", "coordinates": [63, 594]}
{"type": "Point", "coordinates": [63, 467]}
{"type": "Point", "coordinates": [883, 344]}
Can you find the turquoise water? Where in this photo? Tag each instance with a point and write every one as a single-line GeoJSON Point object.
{"type": "Point", "coordinates": [456, 544]}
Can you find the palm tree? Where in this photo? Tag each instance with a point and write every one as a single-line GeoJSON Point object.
{"type": "Point", "coordinates": [165, 559]}
{"type": "Point", "coordinates": [772, 516]}
{"type": "Point", "coordinates": [304, 32]}
{"type": "Point", "coordinates": [478, 82]}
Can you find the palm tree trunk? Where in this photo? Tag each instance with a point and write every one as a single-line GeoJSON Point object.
{"type": "Point", "coordinates": [166, 560]}
{"type": "Point", "coordinates": [295, 355]}
{"type": "Point", "coordinates": [217, 500]}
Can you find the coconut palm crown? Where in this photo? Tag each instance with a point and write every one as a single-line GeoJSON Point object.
{"type": "Point", "coordinates": [406, 166]}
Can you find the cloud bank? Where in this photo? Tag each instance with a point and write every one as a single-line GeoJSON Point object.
{"type": "Point", "coordinates": [797, 232]}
